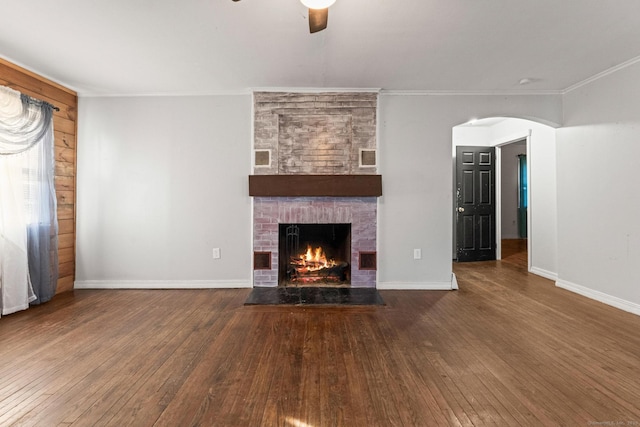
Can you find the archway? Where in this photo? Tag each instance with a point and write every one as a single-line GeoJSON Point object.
{"type": "Point", "coordinates": [539, 147]}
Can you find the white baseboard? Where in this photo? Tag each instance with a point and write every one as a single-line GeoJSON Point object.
{"type": "Point", "coordinates": [544, 273]}
{"type": "Point", "coordinates": [454, 281]}
{"type": "Point", "coordinates": [161, 284]}
{"type": "Point", "coordinates": [616, 302]}
{"type": "Point", "coordinates": [425, 286]}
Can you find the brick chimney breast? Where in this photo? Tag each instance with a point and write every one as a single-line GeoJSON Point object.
{"type": "Point", "coordinates": [300, 136]}
{"type": "Point", "coordinates": [315, 134]}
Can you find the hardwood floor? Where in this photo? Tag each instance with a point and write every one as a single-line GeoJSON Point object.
{"type": "Point", "coordinates": [507, 349]}
{"type": "Point", "coordinates": [514, 251]}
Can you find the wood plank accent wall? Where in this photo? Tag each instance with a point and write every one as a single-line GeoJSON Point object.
{"type": "Point", "coordinates": [64, 126]}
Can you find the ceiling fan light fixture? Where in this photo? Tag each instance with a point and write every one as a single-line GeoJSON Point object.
{"type": "Point", "coordinates": [318, 4]}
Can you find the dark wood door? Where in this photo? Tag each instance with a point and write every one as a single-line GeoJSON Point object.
{"type": "Point", "coordinates": [475, 204]}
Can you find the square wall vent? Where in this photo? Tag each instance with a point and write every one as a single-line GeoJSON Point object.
{"type": "Point", "coordinates": [262, 158]}
{"type": "Point", "coordinates": [367, 158]}
{"type": "Point", "coordinates": [262, 260]}
{"type": "Point", "coordinates": [367, 260]}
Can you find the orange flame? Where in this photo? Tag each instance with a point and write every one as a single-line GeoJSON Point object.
{"type": "Point", "coordinates": [315, 259]}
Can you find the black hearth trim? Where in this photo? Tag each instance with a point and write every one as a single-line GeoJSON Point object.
{"type": "Point", "coordinates": [314, 296]}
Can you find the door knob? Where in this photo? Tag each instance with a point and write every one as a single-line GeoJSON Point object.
{"type": "Point", "coordinates": [461, 209]}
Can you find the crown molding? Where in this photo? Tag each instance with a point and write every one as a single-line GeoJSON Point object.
{"type": "Point", "coordinates": [243, 92]}
{"type": "Point", "coordinates": [316, 89]}
{"type": "Point", "coordinates": [602, 74]}
{"type": "Point", "coordinates": [323, 90]}
{"type": "Point", "coordinates": [247, 91]}
{"type": "Point", "coordinates": [468, 93]}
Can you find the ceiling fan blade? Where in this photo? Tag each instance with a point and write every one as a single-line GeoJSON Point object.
{"type": "Point", "coordinates": [318, 19]}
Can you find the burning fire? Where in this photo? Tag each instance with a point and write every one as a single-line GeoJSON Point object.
{"type": "Point", "coordinates": [313, 266]}
{"type": "Point", "coordinates": [314, 260]}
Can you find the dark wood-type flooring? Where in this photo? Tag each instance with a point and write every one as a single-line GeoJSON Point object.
{"type": "Point", "coordinates": [507, 349]}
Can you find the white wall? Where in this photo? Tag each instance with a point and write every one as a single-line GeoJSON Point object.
{"type": "Point", "coordinates": [470, 135]}
{"type": "Point", "coordinates": [415, 210]}
{"type": "Point", "coordinates": [161, 182]}
{"type": "Point", "coordinates": [598, 202]}
{"type": "Point", "coordinates": [510, 188]}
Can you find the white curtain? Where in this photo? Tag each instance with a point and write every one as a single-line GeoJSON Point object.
{"type": "Point", "coordinates": [28, 222]}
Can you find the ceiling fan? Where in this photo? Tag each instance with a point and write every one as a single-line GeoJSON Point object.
{"type": "Point", "coordinates": [318, 13]}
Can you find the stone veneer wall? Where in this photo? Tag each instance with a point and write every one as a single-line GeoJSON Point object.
{"type": "Point", "coordinates": [360, 212]}
{"type": "Point", "coordinates": [314, 133]}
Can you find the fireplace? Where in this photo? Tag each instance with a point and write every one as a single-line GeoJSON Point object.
{"type": "Point", "coordinates": [314, 255]}
{"type": "Point", "coordinates": [315, 189]}
{"type": "Point", "coordinates": [351, 219]}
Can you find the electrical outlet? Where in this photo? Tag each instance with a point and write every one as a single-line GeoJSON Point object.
{"type": "Point", "coordinates": [216, 253]}
{"type": "Point", "coordinates": [417, 254]}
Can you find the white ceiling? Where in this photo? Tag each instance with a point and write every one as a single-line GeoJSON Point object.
{"type": "Point", "coordinates": [218, 46]}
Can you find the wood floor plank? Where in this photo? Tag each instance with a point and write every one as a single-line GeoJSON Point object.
{"type": "Point", "coordinates": [153, 346]}
{"type": "Point", "coordinates": [548, 347]}
{"type": "Point", "coordinates": [46, 349]}
{"type": "Point", "coordinates": [146, 404]}
{"type": "Point", "coordinates": [101, 353]}
{"type": "Point", "coordinates": [508, 348]}
{"type": "Point", "coordinates": [528, 353]}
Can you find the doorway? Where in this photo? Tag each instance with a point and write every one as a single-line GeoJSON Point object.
{"type": "Point", "coordinates": [514, 200]}
{"type": "Point", "coordinates": [505, 222]}
{"type": "Point", "coordinates": [540, 195]}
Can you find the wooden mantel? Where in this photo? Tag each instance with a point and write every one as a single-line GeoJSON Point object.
{"type": "Point", "coordinates": [315, 185]}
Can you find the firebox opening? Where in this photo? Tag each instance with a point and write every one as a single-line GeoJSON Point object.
{"type": "Point", "coordinates": [314, 255]}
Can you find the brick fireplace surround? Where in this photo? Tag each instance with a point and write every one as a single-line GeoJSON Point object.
{"type": "Point", "coordinates": [268, 212]}
{"type": "Point", "coordinates": [314, 134]}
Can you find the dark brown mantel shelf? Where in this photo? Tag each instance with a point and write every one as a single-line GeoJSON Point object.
{"type": "Point", "coordinates": [315, 185]}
